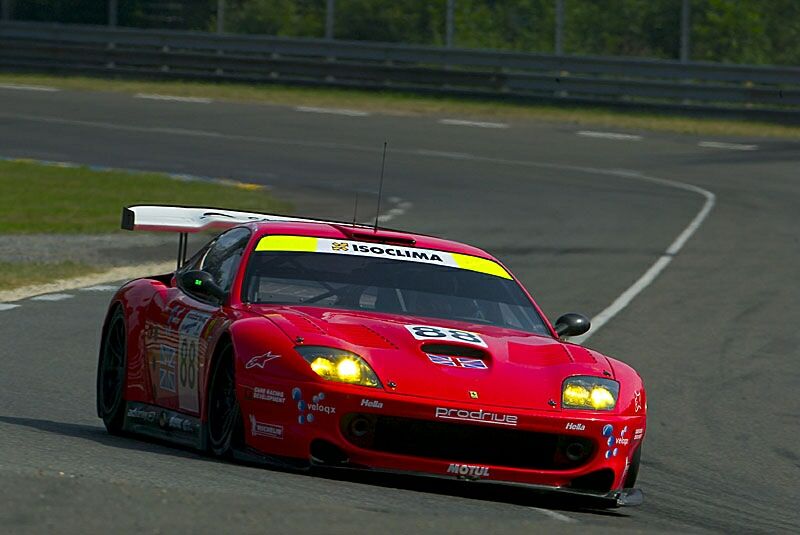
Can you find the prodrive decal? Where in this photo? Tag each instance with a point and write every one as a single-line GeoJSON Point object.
{"type": "Point", "coordinates": [311, 244]}
{"type": "Point", "coordinates": [480, 416]}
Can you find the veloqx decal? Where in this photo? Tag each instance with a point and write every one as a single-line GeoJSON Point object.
{"type": "Point", "coordinates": [430, 332]}
{"type": "Point", "coordinates": [310, 244]}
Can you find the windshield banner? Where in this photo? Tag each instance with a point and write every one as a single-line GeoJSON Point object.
{"type": "Point", "coordinates": [311, 244]}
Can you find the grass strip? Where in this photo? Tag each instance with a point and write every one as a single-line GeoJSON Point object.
{"type": "Point", "coordinates": [27, 273]}
{"type": "Point", "coordinates": [51, 199]}
{"type": "Point", "coordinates": [412, 104]}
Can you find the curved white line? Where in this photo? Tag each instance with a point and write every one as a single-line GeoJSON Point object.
{"type": "Point", "coordinates": [598, 321]}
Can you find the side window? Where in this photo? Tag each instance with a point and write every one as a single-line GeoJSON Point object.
{"type": "Point", "coordinates": [221, 258]}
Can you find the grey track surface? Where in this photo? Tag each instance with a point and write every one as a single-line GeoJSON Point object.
{"type": "Point", "coordinates": [713, 336]}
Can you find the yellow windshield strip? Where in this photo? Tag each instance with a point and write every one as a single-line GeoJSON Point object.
{"type": "Point", "coordinates": [287, 243]}
{"type": "Point", "coordinates": [481, 265]}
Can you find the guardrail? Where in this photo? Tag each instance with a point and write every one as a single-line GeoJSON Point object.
{"type": "Point", "coordinates": [770, 92]}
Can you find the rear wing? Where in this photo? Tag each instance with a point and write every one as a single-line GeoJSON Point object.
{"type": "Point", "coordinates": [192, 219]}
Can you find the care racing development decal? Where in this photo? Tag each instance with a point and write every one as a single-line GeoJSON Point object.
{"type": "Point", "coordinates": [480, 416]}
{"type": "Point", "coordinates": [431, 332]}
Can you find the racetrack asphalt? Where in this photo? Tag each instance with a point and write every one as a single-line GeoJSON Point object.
{"type": "Point", "coordinates": [712, 336]}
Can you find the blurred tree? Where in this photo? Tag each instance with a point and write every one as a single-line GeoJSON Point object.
{"type": "Point", "coordinates": [506, 24]}
{"type": "Point", "coordinates": [291, 18]}
{"type": "Point", "coordinates": [733, 30]}
{"type": "Point", "coordinates": [409, 21]}
{"type": "Point", "coordinates": [68, 11]}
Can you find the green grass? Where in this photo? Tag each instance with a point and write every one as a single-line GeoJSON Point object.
{"type": "Point", "coordinates": [39, 198]}
{"type": "Point", "coordinates": [406, 103]}
{"type": "Point", "coordinates": [20, 274]}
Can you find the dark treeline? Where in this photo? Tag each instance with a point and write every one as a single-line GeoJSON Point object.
{"type": "Point", "coordinates": [740, 31]}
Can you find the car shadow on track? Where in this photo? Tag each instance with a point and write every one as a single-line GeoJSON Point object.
{"type": "Point", "coordinates": [494, 493]}
{"type": "Point", "coordinates": [465, 489]}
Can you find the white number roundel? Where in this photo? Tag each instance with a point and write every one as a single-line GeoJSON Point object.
{"type": "Point", "coordinates": [430, 332]}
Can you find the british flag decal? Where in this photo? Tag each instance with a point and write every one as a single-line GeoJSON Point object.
{"type": "Point", "coordinates": [458, 362]}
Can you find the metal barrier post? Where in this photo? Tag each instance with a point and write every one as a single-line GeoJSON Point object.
{"type": "Point", "coordinates": [220, 16]}
{"type": "Point", "coordinates": [112, 13]}
{"type": "Point", "coordinates": [686, 29]}
{"type": "Point", "coordinates": [450, 23]}
{"type": "Point", "coordinates": [559, 47]}
{"type": "Point", "coordinates": [330, 11]}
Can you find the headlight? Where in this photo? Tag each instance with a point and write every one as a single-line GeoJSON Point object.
{"type": "Point", "coordinates": [592, 393]}
{"type": "Point", "coordinates": [339, 365]}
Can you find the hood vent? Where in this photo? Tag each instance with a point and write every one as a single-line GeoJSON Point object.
{"type": "Point", "coordinates": [455, 351]}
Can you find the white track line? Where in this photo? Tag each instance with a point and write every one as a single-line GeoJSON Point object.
{"type": "Point", "coordinates": [100, 288]}
{"type": "Point", "coordinates": [52, 297]}
{"type": "Point", "coordinates": [479, 124]}
{"type": "Point", "coordinates": [7, 306]}
{"type": "Point", "coordinates": [21, 87]}
{"type": "Point", "coordinates": [726, 146]}
{"type": "Point", "coordinates": [174, 98]}
{"type": "Point", "coordinates": [609, 135]}
{"type": "Point", "coordinates": [332, 111]}
{"type": "Point", "coordinates": [554, 515]}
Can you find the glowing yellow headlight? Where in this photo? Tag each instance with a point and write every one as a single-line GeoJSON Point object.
{"type": "Point", "coordinates": [602, 398]}
{"type": "Point", "coordinates": [589, 393]}
{"type": "Point", "coordinates": [575, 395]}
{"type": "Point", "coordinates": [348, 371]}
{"type": "Point", "coordinates": [323, 367]}
{"type": "Point", "coordinates": [339, 365]}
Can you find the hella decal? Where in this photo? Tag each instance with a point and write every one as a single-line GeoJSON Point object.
{"type": "Point", "coordinates": [371, 403]}
{"type": "Point", "coordinates": [575, 427]}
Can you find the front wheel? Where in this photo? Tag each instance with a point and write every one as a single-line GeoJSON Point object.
{"type": "Point", "coordinates": [224, 417]}
{"type": "Point", "coordinates": [111, 373]}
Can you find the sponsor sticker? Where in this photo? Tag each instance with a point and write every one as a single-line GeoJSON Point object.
{"type": "Point", "coordinates": [638, 433]}
{"type": "Point", "coordinates": [141, 414]}
{"type": "Point", "coordinates": [262, 429]}
{"type": "Point", "coordinates": [468, 470]}
{"type": "Point", "coordinates": [480, 416]}
{"type": "Point", "coordinates": [458, 362]}
{"type": "Point", "coordinates": [166, 368]}
{"type": "Point", "coordinates": [311, 244]}
{"type": "Point", "coordinates": [259, 361]}
{"type": "Point", "coordinates": [306, 410]}
{"type": "Point", "coordinates": [575, 427]}
{"type": "Point", "coordinates": [267, 394]}
{"type": "Point", "coordinates": [371, 403]}
{"type": "Point", "coordinates": [431, 332]}
{"type": "Point", "coordinates": [637, 401]}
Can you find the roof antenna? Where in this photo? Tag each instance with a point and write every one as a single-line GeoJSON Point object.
{"type": "Point", "coordinates": [380, 187]}
{"type": "Point", "coordinates": [355, 210]}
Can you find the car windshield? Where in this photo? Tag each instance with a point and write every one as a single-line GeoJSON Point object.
{"type": "Point", "coordinates": [367, 283]}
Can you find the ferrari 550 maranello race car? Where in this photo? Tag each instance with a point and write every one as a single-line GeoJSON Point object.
{"type": "Point", "coordinates": [301, 342]}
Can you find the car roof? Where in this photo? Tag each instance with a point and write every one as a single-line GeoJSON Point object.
{"type": "Point", "coordinates": [344, 231]}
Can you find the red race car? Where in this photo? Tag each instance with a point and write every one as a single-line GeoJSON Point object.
{"type": "Point", "coordinates": [304, 343]}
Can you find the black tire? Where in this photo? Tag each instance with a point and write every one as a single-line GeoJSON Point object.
{"type": "Point", "coordinates": [633, 469]}
{"type": "Point", "coordinates": [111, 376]}
{"type": "Point", "coordinates": [225, 428]}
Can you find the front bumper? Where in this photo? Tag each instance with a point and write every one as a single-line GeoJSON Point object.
{"type": "Point", "coordinates": [443, 439]}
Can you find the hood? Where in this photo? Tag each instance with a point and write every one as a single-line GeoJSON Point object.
{"type": "Point", "coordinates": [445, 359]}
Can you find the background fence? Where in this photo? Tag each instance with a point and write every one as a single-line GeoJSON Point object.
{"type": "Point", "coordinates": [737, 31]}
{"type": "Point", "coordinates": [765, 91]}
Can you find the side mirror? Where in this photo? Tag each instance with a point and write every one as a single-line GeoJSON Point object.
{"type": "Point", "coordinates": [572, 324]}
{"type": "Point", "coordinates": [203, 284]}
